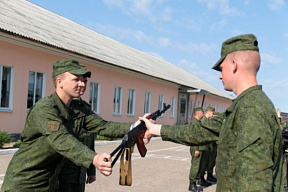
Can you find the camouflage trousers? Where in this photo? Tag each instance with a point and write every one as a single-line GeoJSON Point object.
{"type": "Point", "coordinates": [198, 164]}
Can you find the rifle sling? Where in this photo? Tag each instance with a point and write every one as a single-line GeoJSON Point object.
{"type": "Point", "coordinates": [125, 167]}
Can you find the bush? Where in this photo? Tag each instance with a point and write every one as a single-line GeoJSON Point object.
{"type": "Point", "coordinates": [4, 138]}
{"type": "Point", "coordinates": [100, 137]}
{"type": "Point", "coordinates": [17, 144]}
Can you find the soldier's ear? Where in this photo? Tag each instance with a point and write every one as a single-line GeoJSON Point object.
{"type": "Point", "coordinates": [235, 66]}
{"type": "Point", "coordinates": [59, 82]}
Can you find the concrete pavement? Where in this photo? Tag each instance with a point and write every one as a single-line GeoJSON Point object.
{"type": "Point", "coordinates": [165, 168]}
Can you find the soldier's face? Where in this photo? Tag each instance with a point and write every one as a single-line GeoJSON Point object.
{"type": "Point", "coordinates": [83, 88]}
{"type": "Point", "coordinates": [226, 74]}
{"type": "Point", "coordinates": [73, 85]}
{"type": "Point", "coordinates": [209, 114]}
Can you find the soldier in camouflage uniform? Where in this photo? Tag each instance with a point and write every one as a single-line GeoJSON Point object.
{"type": "Point", "coordinates": [198, 160]}
{"type": "Point", "coordinates": [212, 148]}
{"type": "Point", "coordinates": [52, 132]}
{"type": "Point", "coordinates": [200, 157]}
{"type": "Point", "coordinates": [248, 134]}
{"type": "Point", "coordinates": [72, 178]}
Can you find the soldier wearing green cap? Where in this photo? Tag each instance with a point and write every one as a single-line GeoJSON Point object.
{"type": "Point", "coordinates": [212, 149]}
{"type": "Point", "coordinates": [73, 177]}
{"type": "Point", "coordinates": [248, 135]}
{"type": "Point", "coordinates": [53, 132]}
{"type": "Point", "coordinates": [199, 157]}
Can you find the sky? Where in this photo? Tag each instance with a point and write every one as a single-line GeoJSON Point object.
{"type": "Point", "coordinates": [189, 33]}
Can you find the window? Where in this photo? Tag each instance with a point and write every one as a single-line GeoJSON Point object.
{"type": "Point", "coordinates": [191, 108]}
{"type": "Point", "coordinates": [6, 87]}
{"type": "Point", "coordinates": [36, 89]}
{"type": "Point", "coordinates": [131, 102]}
{"type": "Point", "coordinates": [147, 102]}
{"type": "Point", "coordinates": [94, 98]}
{"type": "Point", "coordinates": [199, 104]}
{"type": "Point", "coordinates": [172, 107]}
{"type": "Point", "coordinates": [117, 100]}
{"type": "Point", "coordinates": [205, 106]}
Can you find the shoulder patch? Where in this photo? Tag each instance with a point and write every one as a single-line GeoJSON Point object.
{"type": "Point", "coordinates": [52, 126]}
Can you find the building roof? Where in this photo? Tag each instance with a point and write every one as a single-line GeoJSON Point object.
{"type": "Point", "coordinates": [30, 21]}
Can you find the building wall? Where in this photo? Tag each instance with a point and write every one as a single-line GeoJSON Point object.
{"type": "Point", "coordinates": [24, 59]}
{"type": "Point", "coordinates": [110, 79]}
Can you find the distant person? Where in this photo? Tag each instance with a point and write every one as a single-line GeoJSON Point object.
{"type": "Point", "coordinates": [248, 134]}
{"type": "Point", "coordinates": [212, 149]}
{"type": "Point", "coordinates": [198, 156]}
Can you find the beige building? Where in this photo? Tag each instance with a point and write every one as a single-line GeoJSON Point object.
{"type": "Point", "coordinates": [125, 82]}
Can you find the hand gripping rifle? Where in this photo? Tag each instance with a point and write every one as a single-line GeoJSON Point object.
{"type": "Point", "coordinates": [135, 135]}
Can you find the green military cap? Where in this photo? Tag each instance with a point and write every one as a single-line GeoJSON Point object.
{"type": "Point", "coordinates": [209, 108]}
{"type": "Point", "coordinates": [71, 66]}
{"type": "Point", "coordinates": [83, 66]}
{"type": "Point", "coordinates": [198, 109]}
{"type": "Point", "coordinates": [238, 43]}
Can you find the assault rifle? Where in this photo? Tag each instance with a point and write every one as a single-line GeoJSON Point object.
{"type": "Point", "coordinates": [135, 135]}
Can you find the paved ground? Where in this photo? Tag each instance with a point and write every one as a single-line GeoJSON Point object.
{"type": "Point", "coordinates": [165, 168]}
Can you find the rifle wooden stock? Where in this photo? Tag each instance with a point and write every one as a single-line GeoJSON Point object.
{"type": "Point", "coordinates": [135, 135]}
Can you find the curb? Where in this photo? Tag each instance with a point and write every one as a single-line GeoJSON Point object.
{"type": "Point", "coordinates": [97, 143]}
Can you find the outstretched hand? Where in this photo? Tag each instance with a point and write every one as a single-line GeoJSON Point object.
{"type": "Point", "coordinates": [101, 163]}
{"type": "Point", "coordinates": [152, 128]}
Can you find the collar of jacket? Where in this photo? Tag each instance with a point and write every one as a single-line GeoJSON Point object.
{"type": "Point", "coordinates": [62, 109]}
{"type": "Point", "coordinates": [247, 91]}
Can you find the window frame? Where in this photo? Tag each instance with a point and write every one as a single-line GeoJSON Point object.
{"type": "Point", "coordinates": [119, 110]}
{"type": "Point", "coordinates": [131, 93]}
{"type": "Point", "coordinates": [147, 102]}
{"type": "Point", "coordinates": [11, 88]}
{"type": "Point", "coordinates": [91, 97]}
{"type": "Point", "coordinates": [172, 109]}
{"type": "Point", "coordinates": [43, 86]}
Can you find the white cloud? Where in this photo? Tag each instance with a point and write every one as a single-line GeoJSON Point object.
{"type": "Point", "coordinates": [283, 83]}
{"type": "Point", "coordinates": [275, 4]}
{"type": "Point", "coordinates": [130, 34]}
{"type": "Point", "coordinates": [141, 36]}
{"type": "Point", "coordinates": [192, 48]}
{"type": "Point", "coordinates": [187, 65]}
{"type": "Point", "coordinates": [223, 6]}
{"type": "Point", "coordinates": [191, 24]}
{"type": "Point", "coordinates": [143, 9]}
{"type": "Point", "coordinates": [219, 25]}
{"type": "Point", "coordinates": [199, 72]}
{"type": "Point", "coordinates": [267, 59]}
{"type": "Point", "coordinates": [164, 42]}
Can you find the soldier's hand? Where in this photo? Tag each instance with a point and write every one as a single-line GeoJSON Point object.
{"type": "Point", "coordinates": [99, 161]}
{"type": "Point", "coordinates": [197, 154]}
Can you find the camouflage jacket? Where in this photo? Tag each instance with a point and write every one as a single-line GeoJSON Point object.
{"type": "Point", "coordinates": [196, 122]}
{"type": "Point", "coordinates": [249, 153]}
{"type": "Point", "coordinates": [50, 134]}
{"type": "Point", "coordinates": [71, 173]}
